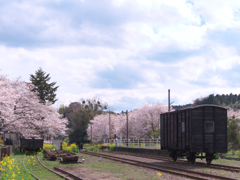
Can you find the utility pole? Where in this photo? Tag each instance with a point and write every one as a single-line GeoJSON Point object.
{"type": "Point", "coordinates": [109, 126]}
{"type": "Point", "coordinates": [104, 133]}
{"type": "Point", "coordinates": [91, 133]}
{"type": "Point", "coordinates": [127, 127]}
{"type": "Point", "coordinates": [159, 129]}
{"type": "Point", "coordinates": [169, 100]}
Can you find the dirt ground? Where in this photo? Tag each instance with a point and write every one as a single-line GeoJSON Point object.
{"type": "Point", "coordinates": [87, 173]}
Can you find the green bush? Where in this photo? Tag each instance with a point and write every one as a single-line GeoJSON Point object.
{"type": "Point", "coordinates": [66, 140]}
{"type": "Point", "coordinates": [16, 152]}
{"type": "Point", "coordinates": [95, 149]}
{"type": "Point", "coordinates": [238, 153]}
{"type": "Point", "coordinates": [216, 156]}
{"type": "Point", "coordinates": [112, 148]}
{"type": "Point", "coordinates": [74, 149]}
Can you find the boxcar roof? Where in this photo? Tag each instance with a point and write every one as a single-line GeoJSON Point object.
{"type": "Point", "coordinates": [194, 107]}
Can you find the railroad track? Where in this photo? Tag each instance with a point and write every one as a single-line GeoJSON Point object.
{"type": "Point", "coordinates": [28, 170]}
{"type": "Point", "coordinates": [212, 166]}
{"type": "Point", "coordinates": [58, 171]}
{"type": "Point", "coordinates": [163, 168]}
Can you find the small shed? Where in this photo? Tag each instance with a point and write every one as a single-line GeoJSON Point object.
{"type": "Point", "coordinates": [11, 138]}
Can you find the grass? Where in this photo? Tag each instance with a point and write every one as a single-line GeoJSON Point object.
{"type": "Point", "coordinates": [33, 166]}
{"type": "Point", "coordinates": [38, 170]}
{"type": "Point", "coordinates": [93, 165]}
{"type": "Point", "coordinates": [230, 154]}
{"type": "Point", "coordinates": [18, 163]}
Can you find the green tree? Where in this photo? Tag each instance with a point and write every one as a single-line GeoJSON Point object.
{"type": "Point", "coordinates": [233, 130]}
{"type": "Point", "coordinates": [62, 109]}
{"type": "Point", "coordinates": [45, 90]}
{"type": "Point", "coordinates": [154, 134]}
{"type": "Point", "coordinates": [79, 115]}
{"type": "Point", "coordinates": [224, 100]}
{"type": "Point", "coordinates": [79, 127]}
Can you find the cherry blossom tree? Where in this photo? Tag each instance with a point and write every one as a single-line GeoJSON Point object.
{"type": "Point", "coordinates": [8, 98]}
{"type": "Point", "coordinates": [231, 112]}
{"type": "Point", "coordinates": [141, 122]}
{"type": "Point", "coordinates": [21, 111]}
{"type": "Point", "coordinates": [233, 126]}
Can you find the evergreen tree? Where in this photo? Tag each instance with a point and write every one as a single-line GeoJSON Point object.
{"type": "Point", "coordinates": [46, 91]}
{"type": "Point", "coordinates": [224, 100]}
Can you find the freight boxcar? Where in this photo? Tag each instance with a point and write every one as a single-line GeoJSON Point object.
{"type": "Point", "coordinates": [194, 130]}
{"type": "Point", "coordinates": [31, 144]}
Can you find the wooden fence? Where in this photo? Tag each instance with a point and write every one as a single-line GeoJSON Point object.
{"type": "Point", "coordinates": [6, 151]}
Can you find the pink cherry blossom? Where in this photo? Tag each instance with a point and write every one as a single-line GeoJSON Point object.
{"type": "Point", "coordinates": [21, 111]}
{"type": "Point", "coordinates": [140, 122]}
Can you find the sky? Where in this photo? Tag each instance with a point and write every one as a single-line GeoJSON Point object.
{"type": "Point", "coordinates": [125, 52]}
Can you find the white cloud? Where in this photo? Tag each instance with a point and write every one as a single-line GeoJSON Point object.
{"type": "Point", "coordinates": [125, 52]}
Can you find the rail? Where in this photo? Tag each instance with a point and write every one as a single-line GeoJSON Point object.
{"type": "Point", "coordinates": [212, 166]}
{"type": "Point", "coordinates": [62, 171]}
{"type": "Point", "coordinates": [28, 170]}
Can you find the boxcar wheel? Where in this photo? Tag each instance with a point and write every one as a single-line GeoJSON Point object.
{"type": "Point", "coordinates": [175, 156]}
{"type": "Point", "coordinates": [193, 158]}
{"type": "Point", "coordinates": [209, 160]}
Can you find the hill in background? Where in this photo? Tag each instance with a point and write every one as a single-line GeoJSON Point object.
{"type": "Point", "coordinates": [232, 100]}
